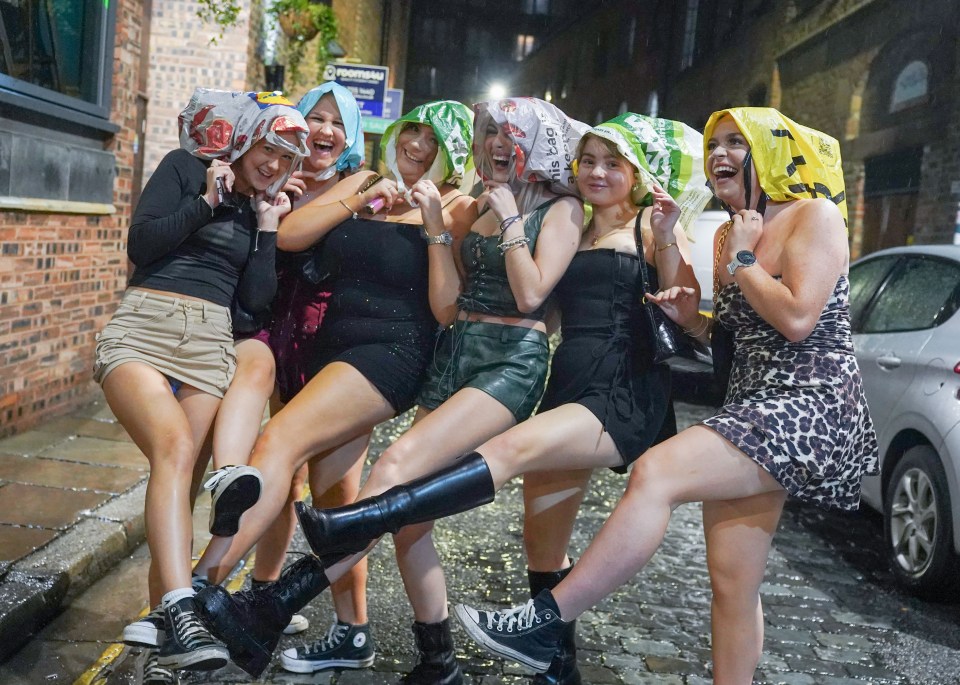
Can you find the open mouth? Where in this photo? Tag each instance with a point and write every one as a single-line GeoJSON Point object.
{"type": "Point", "coordinates": [501, 162]}
{"type": "Point", "coordinates": [723, 171]}
{"type": "Point", "coordinates": [411, 157]}
{"type": "Point", "coordinates": [323, 147]}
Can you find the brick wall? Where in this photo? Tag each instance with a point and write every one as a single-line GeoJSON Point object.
{"type": "Point", "coordinates": [182, 58]}
{"type": "Point", "coordinates": [60, 274]}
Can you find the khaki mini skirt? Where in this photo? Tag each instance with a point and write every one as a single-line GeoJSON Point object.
{"type": "Point", "coordinates": [186, 340]}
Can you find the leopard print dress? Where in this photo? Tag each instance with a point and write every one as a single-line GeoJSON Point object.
{"type": "Point", "coordinates": [797, 408]}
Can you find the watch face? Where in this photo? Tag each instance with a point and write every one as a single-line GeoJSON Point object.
{"type": "Point", "coordinates": [746, 257]}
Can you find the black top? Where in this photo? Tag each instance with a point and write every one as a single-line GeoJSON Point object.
{"type": "Point", "coordinates": [180, 245]}
{"type": "Point", "coordinates": [377, 271]}
{"type": "Point", "coordinates": [487, 288]}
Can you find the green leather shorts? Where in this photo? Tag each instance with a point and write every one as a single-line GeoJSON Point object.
{"type": "Point", "coordinates": [509, 363]}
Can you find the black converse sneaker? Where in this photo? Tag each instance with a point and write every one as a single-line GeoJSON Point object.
{"type": "Point", "coordinates": [152, 673]}
{"type": "Point", "coordinates": [147, 631]}
{"type": "Point", "coordinates": [188, 645]}
{"type": "Point", "coordinates": [345, 646]}
{"type": "Point", "coordinates": [528, 634]}
{"type": "Point", "coordinates": [233, 489]}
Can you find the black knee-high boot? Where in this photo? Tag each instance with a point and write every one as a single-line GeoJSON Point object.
{"type": "Point", "coordinates": [250, 622]}
{"type": "Point", "coordinates": [342, 531]}
{"type": "Point", "coordinates": [563, 669]}
{"type": "Point", "coordinates": [437, 660]}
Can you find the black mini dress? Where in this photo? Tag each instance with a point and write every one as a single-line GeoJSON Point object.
{"type": "Point", "coordinates": [604, 361]}
{"type": "Point", "coordinates": [379, 319]}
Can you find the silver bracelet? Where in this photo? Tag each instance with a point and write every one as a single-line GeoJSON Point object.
{"type": "Point", "coordinates": [512, 243]}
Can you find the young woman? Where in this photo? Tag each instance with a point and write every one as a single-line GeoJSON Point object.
{"type": "Point", "coordinates": [373, 348]}
{"type": "Point", "coordinates": [606, 401]}
{"type": "Point", "coordinates": [335, 144]}
{"type": "Point", "coordinates": [203, 233]}
{"type": "Point", "coordinates": [782, 289]}
{"type": "Point", "coordinates": [488, 372]}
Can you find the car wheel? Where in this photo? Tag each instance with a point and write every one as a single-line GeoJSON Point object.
{"type": "Point", "coordinates": [918, 523]}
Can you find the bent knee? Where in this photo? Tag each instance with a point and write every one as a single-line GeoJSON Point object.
{"type": "Point", "coordinates": [257, 374]}
{"type": "Point", "coordinates": [394, 467]}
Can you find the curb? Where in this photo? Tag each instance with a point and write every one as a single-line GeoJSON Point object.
{"type": "Point", "coordinates": [35, 589]}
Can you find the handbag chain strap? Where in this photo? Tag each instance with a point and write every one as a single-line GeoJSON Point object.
{"type": "Point", "coordinates": [716, 259]}
{"type": "Point", "coordinates": [644, 276]}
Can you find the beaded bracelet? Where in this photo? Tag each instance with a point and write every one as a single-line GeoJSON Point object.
{"type": "Point", "coordinates": [512, 243]}
{"type": "Point", "coordinates": [508, 222]}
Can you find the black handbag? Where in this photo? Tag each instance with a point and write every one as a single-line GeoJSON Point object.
{"type": "Point", "coordinates": [663, 333]}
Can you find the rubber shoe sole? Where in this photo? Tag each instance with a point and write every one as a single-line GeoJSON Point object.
{"type": "Point", "coordinates": [232, 497]}
{"type": "Point", "coordinates": [142, 635]}
{"type": "Point", "coordinates": [290, 663]}
{"type": "Point", "coordinates": [469, 624]}
{"type": "Point", "coordinates": [206, 659]}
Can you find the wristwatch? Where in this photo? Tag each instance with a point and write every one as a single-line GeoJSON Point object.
{"type": "Point", "coordinates": [443, 239]}
{"type": "Point", "coordinates": [743, 258]}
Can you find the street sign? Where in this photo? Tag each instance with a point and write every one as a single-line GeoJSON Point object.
{"type": "Point", "coordinates": [393, 103]}
{"type": "Point", "coordinates": [368, 83]}
{"type": "Point", "coordinates": [375, 124]}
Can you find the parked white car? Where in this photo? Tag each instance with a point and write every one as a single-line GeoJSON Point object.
{"type": "Point", "coordinates": [903, 306]}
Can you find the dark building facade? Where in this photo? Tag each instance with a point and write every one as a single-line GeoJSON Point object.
{"type": "Point", "coordinates": [882, 76]}
{"type": "Point", "coordinates": [459, 49]}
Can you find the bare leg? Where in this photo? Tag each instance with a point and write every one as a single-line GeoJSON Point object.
{"type": "Point", "coordinates": [696, 465]}
{"type": "Point", "coordinates": [738, 534]}
{"type": "Point", "coordinates": [241, 412]}
{"type": "Point", "coordinates": [349, 593]}
{"type": "Point", "coordinates": [336, 406]}
{"type": "Point", "coordinates": [169, 431]}
{"type": "Point", "coordinates": [272, 547]}
{"type": "Point", "coordinates": [237, 426]}
{"type": "Point", "coordinates": [461, 423]}
{"type": "Point", "coordinates": [551, 500]}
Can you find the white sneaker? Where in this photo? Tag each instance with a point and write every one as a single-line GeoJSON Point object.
{"type": "Point", "coordinates": [234, 489]}
{"type": "Point", "coordinates": [298, 624]}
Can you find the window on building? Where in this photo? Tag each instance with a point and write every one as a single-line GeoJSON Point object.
{"type": "Point", "coordinates": [622, 109]}
{"type": "Point", "coordinates": [653, 105]}
{"type": "Point", "coordinates": [911, 86]}
{"type": "Point", "coordinates": [61, 52]}
{"type": "Point", "coordinates": [689, 48]}
{"type": "Point", "coordinates": [524, 46]}
{"type": "Point", "coordinates": [630, 38]}
{"type": "Point", "coordinates": [434, 81]}
{"type": "Point", "coordinates": [536, 6]}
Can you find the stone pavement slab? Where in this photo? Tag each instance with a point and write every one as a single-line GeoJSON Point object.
{"type": "Point", "coordinates": [71, 506]}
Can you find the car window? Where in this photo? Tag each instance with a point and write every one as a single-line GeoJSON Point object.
{"type": "Point", "coordinates": [919, 295]}
{"type": "Point", "coordinates": [864, 279]}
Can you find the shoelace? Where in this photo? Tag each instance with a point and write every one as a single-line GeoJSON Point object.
{"type": "Point", "coordinates": [521, 617]}
{"type": "Point", "coordinates": [334, 637]}
{"type": "Point", "coordinates": [216, 477]}
{"type": "Point", "coordinates": [152, 670]}
{"type": "Point", "coordinates": [190, 631]}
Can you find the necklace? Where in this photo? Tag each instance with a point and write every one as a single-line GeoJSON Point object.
{"type": "Point", "coordinates": [597, 235]}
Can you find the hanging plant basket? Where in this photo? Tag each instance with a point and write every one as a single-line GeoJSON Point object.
{"type": "Point", "coordinates": [298, 25]}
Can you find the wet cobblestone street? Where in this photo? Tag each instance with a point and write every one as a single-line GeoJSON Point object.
{"type": "Point", "coordinates": [833, 616]}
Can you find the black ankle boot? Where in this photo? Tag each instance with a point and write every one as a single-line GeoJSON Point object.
{"type": "Point", "coordinates": [563, 669]}
{"type": "Point", "coordinates": [251, 622]}
{"type": "Point", "coordinates": [437, 661]}
{"type": "Point", "coordinates": [342, 531]}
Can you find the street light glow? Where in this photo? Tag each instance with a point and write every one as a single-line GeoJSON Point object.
{"type": "Point", "coordinates": [497, 91]}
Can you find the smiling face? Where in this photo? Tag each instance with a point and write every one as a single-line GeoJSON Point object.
{"type": "Point", "coordinates": [417, 147]}
{"type": "Point", "coordinates": [328, 137]}
{"type": "Point", "coordinates": [604, 177]}
{"type": "Point", "coordinates": [263, 164]}
{"type": "Point", "coordinates": [727, 149]}
{"type": "Point", "coordinates": [499, 152]}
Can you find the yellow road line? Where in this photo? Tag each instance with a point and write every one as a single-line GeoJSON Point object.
{"type": "Point", "coordinates": [98, 672]}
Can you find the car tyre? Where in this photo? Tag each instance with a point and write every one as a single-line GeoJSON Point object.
{"type": "Point", "coordinates": [918, 524]}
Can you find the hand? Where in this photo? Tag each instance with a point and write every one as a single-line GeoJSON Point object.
{"type": "Point", "coordinates": [385, 189]}
{"type": "Point", "coordinates": [218, 169]}
{"type": "Point", "coordinates": [664, 217]}
{"type": "Point", "coordinates": [745, 233]}
{"type": "Point", "coordinates": [499, 198]}
{"type": "Point", "coordinates": [679, 303]}
{"type": "Point", "coordinates": [425, 194]}
{"type": "Point", "coordinates": [296, 185]}
{"type": "Point", "coordinates": [269, 212]}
